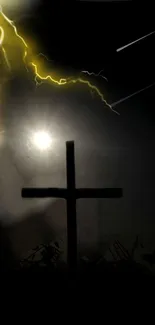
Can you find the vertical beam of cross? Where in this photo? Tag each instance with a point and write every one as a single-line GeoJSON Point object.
{"type": "Point", "coordinates": [71, 206]}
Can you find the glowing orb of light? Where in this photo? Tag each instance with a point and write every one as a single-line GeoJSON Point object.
{"type": "Point", "coordinates": [42, 140]}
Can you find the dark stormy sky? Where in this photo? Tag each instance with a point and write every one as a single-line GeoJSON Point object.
{"type": "Point", "coordinates": [111, 150]}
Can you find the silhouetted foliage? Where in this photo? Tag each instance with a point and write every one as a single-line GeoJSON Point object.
{"type": "Point", "coordinates": [44, 256]}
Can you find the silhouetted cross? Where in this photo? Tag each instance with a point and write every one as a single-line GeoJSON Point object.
{"type": "Point", "coordinates": [71, 194]}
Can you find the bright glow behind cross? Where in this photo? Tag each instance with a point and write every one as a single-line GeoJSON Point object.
{"type": "Point", "coordinates": [42, 140]}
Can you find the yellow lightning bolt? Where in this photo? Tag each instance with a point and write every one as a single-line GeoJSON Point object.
{"type": "Point", "coordinates": [3, 49]}
{"type": "Point", "coordinates": [2, 35]}
{"type": "Point", "coordinates": [38, 75]}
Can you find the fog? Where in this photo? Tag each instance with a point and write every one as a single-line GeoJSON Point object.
{"type": "Point", "coordinates": [110, 152]}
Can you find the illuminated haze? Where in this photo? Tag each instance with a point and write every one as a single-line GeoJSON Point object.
{"type": "Point", "coordinates": [18, 5]}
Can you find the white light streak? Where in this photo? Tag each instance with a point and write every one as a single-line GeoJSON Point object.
{"type": "Point", "coordinates": [137, 40]}
{"type": "Point", "coordinates": [133, 94]}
